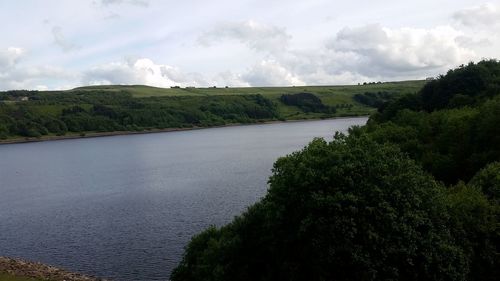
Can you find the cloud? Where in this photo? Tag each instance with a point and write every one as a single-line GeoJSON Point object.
{"type": "Point", "coordinates": [141, 71]}
{"type": "Point", "coordinates": [353, 54]}
{"type": "Point", "coordinates": [387, 52]}
{"type": "Point", "coordinates": [35, 77]}
{"type": "Point", "coordinates": [13, 76]}
{"type": "Point", "coordinates": [61, 40]}
{"type": "Point", "coordinates": [143, 3]}
{"type": "Point", "coordinates": [484, 15]}
{"type": "Point", "coordinates": [270, 73]}
{"type": "Point", "coordinates": [257, 36]}
{"type": "Point", "coordinates": [9, 57]}
{"type": "Point", "coordinates": [144, 71]}
{"type": "Point", "coordinates": [471, 42]}
{"type": "Point", "coordinates": [111, 16]}
{"type": "Point", "coordinates": [228, 78]}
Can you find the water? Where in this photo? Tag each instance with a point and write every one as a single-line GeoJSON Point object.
{"type": "Point", "coordinates": [124, 207]}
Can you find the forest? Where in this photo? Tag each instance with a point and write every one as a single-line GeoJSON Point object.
{"type": "Point", "coordinates": [103, 112]}
{"type": "Point", "coordinates": [413, 195]}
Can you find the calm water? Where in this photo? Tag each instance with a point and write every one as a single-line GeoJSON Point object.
{"type": "Point", "coordinates": [124, 207]}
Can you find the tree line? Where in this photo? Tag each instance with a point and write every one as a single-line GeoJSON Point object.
{"type": "Point", "coordinates": [79, 112]}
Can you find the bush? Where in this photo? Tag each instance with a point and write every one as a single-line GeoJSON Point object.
{"type": "Point", "coordinates": [306, 102]}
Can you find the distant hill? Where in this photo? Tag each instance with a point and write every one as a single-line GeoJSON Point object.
{"type": "Point", "coordinates": [95, 110]}
{"type": "Point", "coordinates": [149, 91]}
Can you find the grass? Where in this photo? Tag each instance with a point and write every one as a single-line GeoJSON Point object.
{"type": "Point", "coordinates": [148, 91]}
{"type": "Point", "coordinates": [330, 95]}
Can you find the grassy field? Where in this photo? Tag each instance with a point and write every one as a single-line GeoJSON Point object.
{"type": "Point", "coordinates": [147, 91]}
{"type": "Point", "coordinates": [330, 95]}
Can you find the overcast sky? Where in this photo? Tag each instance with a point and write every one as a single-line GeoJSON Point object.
{"type": "Point", "coordinates": [57, 44]}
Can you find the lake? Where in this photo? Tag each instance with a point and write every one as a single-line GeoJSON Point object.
{"type": "Point", "coordinates": [123, 207]}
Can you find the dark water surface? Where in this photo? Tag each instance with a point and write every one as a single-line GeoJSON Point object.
{"type": "Point", "coordinates": [124, 207]}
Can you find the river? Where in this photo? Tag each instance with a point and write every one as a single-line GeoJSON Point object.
{"type": "Point", "coordinates": [123, 207]}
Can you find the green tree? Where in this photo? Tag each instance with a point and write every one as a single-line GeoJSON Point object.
{"type": "Point", "coordinates": [488, 181]}
{"type": "Point", "coordinates": [351, 209]}
{"type": "Point", "coordinates": [474, 223]}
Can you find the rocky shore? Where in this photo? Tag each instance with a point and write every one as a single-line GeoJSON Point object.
{"type": "Point", "coordinates": [39, 271]}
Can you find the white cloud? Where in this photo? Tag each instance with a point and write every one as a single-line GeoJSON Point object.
{"type": "Point", "coordinates": [386, 52]}
{"type": "Point", "coordinates": [270, 73]}
{"type": "Point", "coordinates": [255, 35]}
{"type": "Point", "coordinates": [228, 78]}
{"type": "Point", "coordinates": [484, 15]}
{"type": "Point", "coordinates": [146, 72]}
{"type": "Point", "coordinates": [354, 54]}
{"type": "Point", "coordinates": [141, 71]}
{"type": "Point", "coordinates": [61, 40]}
{"type": "Point", "coordinates": [14, 76]}
{"type": "Point", "coordinates": [9, 57]}
{"type": "Point", "coordinates": [143, 3]}
{"type": "Point", "coordinates": [471, 42]}
{"type": "Point", "coordinates": [33, 77]}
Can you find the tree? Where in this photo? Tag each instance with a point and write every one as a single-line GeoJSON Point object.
{"type": "Point", "coordinates": [351, 209]}
{"type": "Point", "coordinates": [488, 181]}
{"type": "Point", "coordinates": [474, 223]}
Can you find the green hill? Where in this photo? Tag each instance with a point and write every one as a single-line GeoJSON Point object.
{"type": "Point", "coordinates": [148, 91]}
{"type": "Point", "coordinates": [118, 108]}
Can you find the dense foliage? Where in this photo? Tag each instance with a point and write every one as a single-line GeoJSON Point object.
{"type": "Point", "coordinates": [59, 113]}
{"type": "Point", "coordinates": [466, 85]}
{"type": "Point", "coordinates": [346, 210]}
{"type": "Point", "coordinates": [307, 102]}
{"type": "Point", "coordinates": [414, 195]}
{"type": "Point", "coordinates": [374, 99]}
{"type": "Point", "coordinates": [452, 143]}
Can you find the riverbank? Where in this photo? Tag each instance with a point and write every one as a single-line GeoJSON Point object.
{"type": "Point", "coordinates": [151, 131]}
{"type": "Point", "coordinates": [20, 269]}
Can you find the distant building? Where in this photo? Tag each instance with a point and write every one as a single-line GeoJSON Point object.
{"type": "Point", "coordinates": [24, 98]}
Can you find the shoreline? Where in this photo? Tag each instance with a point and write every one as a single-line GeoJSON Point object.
{"type": "Point", "coordinates": [38, 271]}
{"type": "Point", "coordinates": [153, 131]}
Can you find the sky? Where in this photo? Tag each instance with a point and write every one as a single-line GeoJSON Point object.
{"type": "Point", "coordinates": [60, 44]}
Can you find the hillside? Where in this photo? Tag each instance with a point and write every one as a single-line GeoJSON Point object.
{"type": "Point", "coordinates": [148, 91]}
{"type": "Point", "coordinates": [120, 108]}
